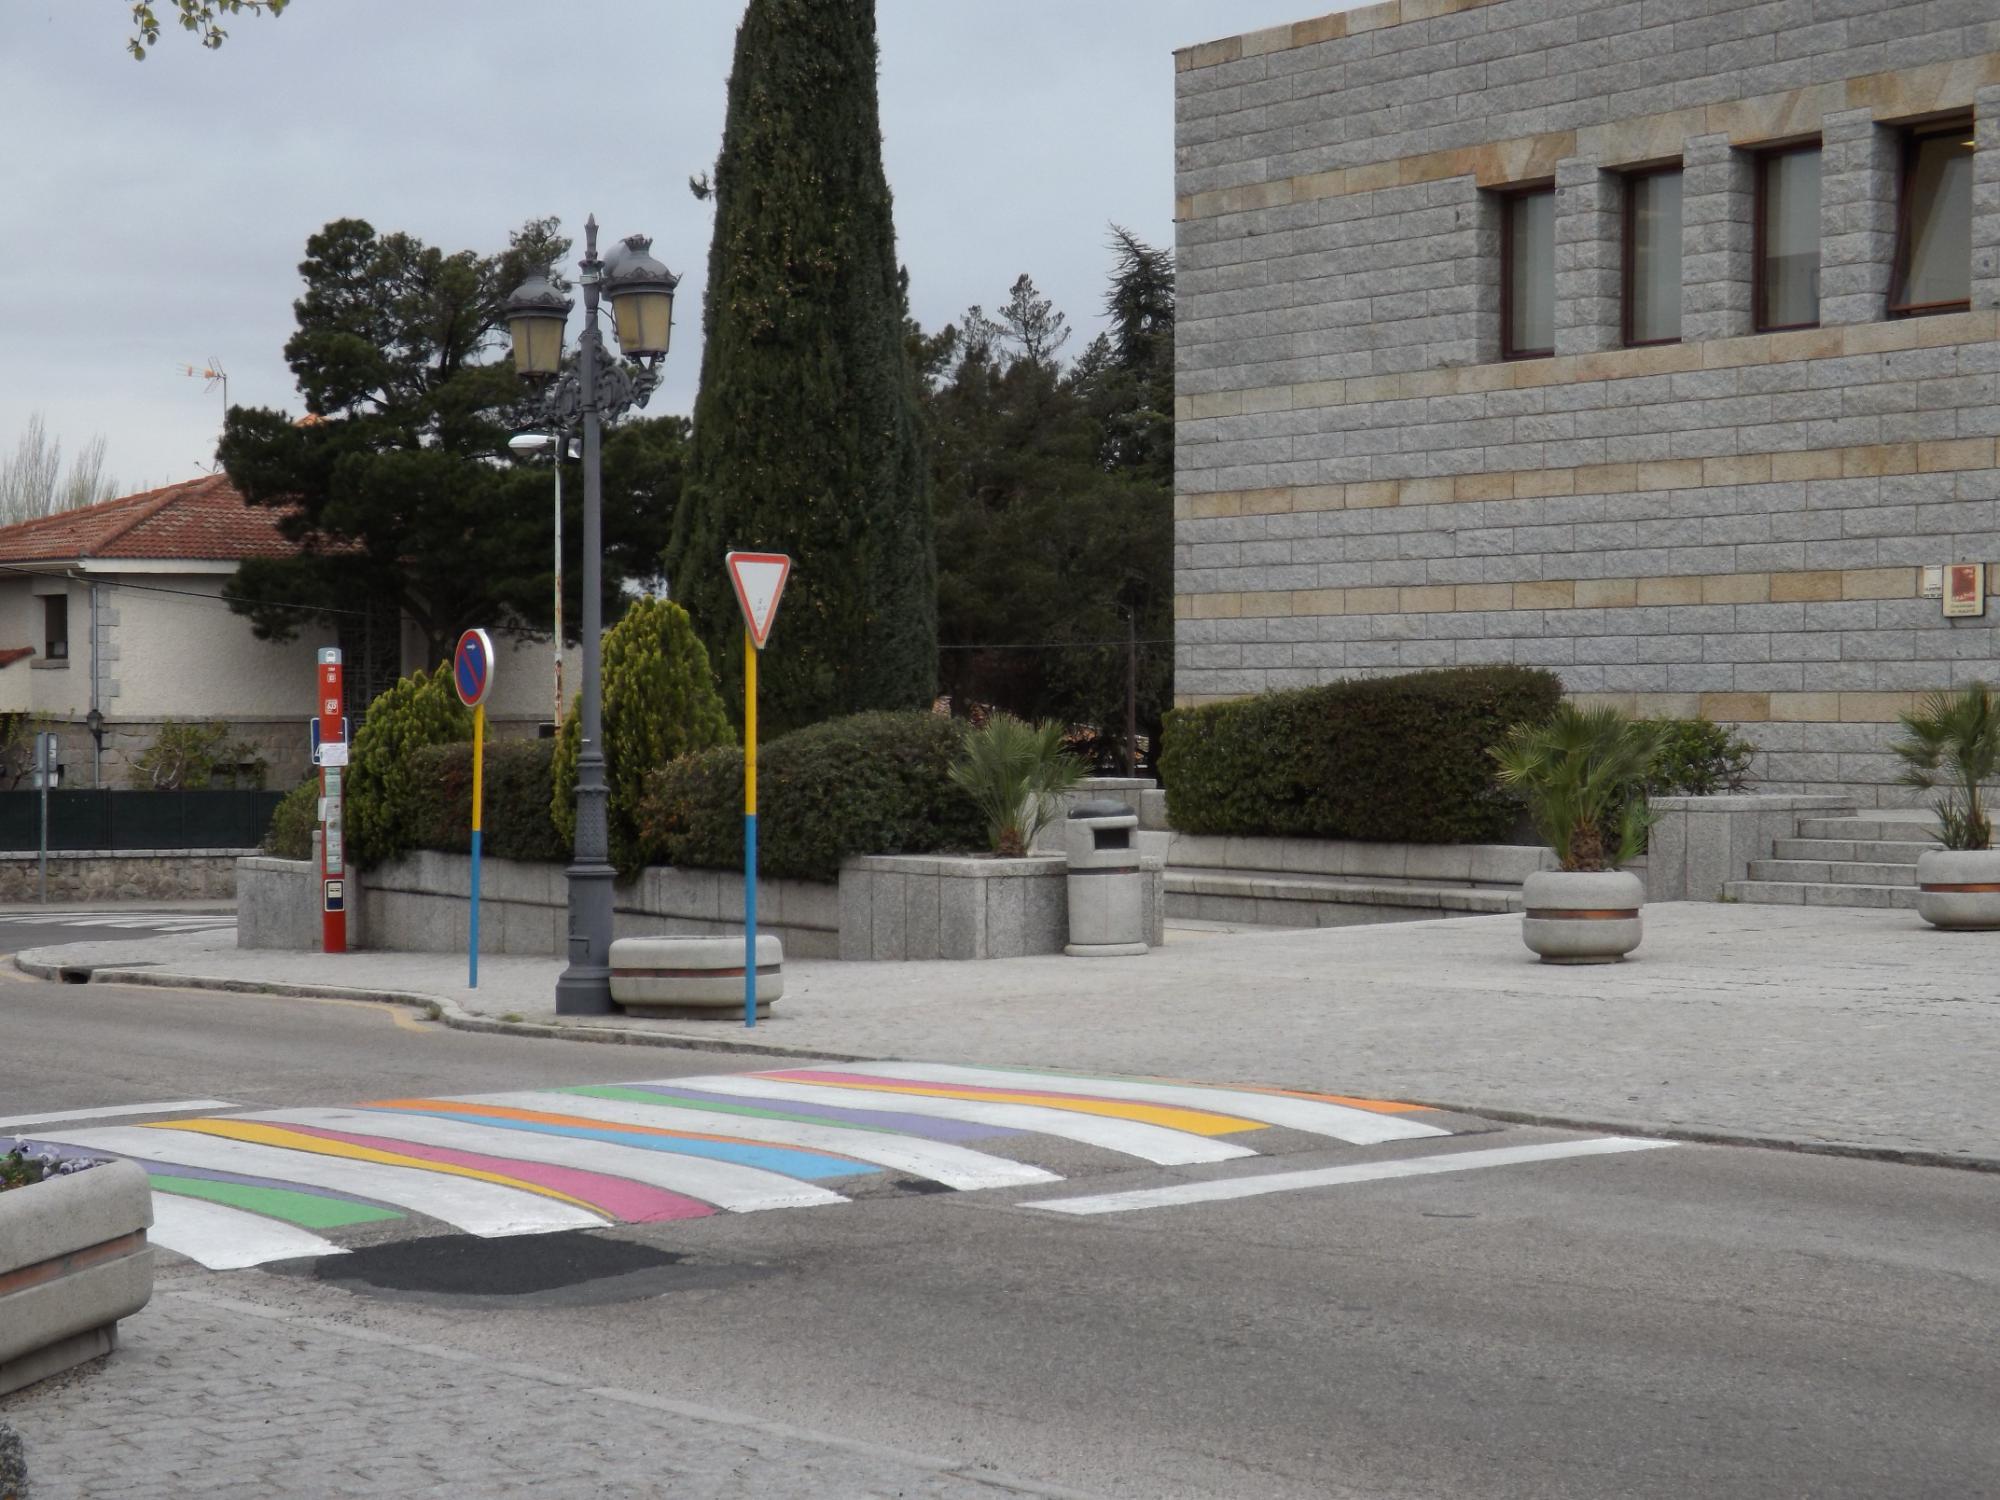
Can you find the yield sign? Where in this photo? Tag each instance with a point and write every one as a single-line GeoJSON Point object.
{"type": "Point", "coordinates": [759, 578]}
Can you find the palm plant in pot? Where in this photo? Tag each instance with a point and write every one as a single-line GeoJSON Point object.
{"type": "Point", "coordinates": [1582, 773]}
{"type": "Point", "coordinates": [1951, 747]}
{"type": "Point", "coordinates": [1015, 774]}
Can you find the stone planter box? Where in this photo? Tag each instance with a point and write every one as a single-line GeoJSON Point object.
{"type": "Point", "coordinates": [917, 906]}
{"type": "Point", "coordinates": [1582, 916]}
{"type": "Point", "coordinates": [73, 1261]}
{"type": "Point", "coordinates": [1959, 889]}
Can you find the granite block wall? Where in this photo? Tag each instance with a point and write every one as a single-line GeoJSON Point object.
{"type": "Point", "coordinates": [1733, 525]}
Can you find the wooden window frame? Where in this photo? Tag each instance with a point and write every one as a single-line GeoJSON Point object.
{"type": "Point", "coordinates": [1913, 138]}
{"type": "Point", "coordinates": [1508, 197]}
{"type": "Point", "coordinates": [1628, 249]}
{"type": "Point", "coordinates": [1760, 291]}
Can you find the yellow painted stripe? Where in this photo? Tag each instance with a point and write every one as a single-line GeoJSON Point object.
{"type": "Point", "coordinates": [291, 1140]}
{"type": "Point", "coordinates": [1193, 1121]}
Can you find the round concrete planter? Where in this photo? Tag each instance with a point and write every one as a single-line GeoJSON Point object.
{"type": "Point", "coordinates": [1581, 916]}
{"type": "Point", "coordinates": [1959, 889]}
{"type": "Point", "coordinates": [693, 978]}
{"type": "Point", "coordinates": [73, 1261]}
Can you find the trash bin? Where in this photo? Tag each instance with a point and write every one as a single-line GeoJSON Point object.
{"type": "Point", "coordinates": [1107, 889]}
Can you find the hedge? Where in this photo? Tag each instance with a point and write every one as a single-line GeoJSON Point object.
{"type": "Point", "coordinates": [515, 822]}
{"type": "Point", "coordinates": [384, 805]}
{"type": "Point", "coordinates": [294, 822]}
{"type": "Point", "coordinates": [1400, 759]}
{"type": "Point", "coordinates": [871, 783]}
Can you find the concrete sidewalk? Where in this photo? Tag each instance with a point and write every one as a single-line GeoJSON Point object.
{"type": "Point", "coordinates": [1858, 1031]}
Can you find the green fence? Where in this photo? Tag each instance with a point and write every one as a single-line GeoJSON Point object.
{"type": "Point", "coordinates": [104, 820]}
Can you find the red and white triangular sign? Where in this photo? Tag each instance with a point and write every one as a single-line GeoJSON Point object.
{"type": "Point", "coordinates": [759, 578]}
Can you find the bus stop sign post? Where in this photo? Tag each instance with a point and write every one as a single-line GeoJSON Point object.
{"type": "Point", "coordinates": [472, 676]}
{"type": "Point", "coordinates": [759, 579]}
{"type": "Point", "coordinates": [330, 728]}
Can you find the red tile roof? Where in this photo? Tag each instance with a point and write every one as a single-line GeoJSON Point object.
{"type": "Point", "coordinates": [202, 519]}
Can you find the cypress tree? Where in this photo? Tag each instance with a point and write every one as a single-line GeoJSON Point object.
{"type": "Point", "coordinates": [806, 428]}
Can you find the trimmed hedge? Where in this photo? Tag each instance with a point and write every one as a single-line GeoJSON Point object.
{"type": "Point", "coordinates": [516, 822]}
{"type": "Point", "coordinates": [1699, 758]}
{"type": "Point", "coordinates": [1396, 759]}
{"type": "Point", "coordinates": [385, 807]}
{"type": "Point", "coordinates": [294, 822]}
{"type": "Point", "coordinates": [873, 783]}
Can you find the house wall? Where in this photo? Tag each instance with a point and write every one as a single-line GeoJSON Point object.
{"type": "Point", "coordinates": [1732, 525]}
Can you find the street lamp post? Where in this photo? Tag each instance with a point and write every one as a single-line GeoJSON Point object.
{"type": "Point", "coordinates": [559, 444]}
{"type": "Point", "coordinates": [642, 301]}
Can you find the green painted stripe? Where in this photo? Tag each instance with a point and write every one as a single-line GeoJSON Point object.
{"type": "Point", "coordinates": [309, 1210]}
{"type": "Point", "coordinates": [666, 1101]}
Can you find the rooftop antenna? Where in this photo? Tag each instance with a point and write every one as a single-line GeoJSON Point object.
{"type": "Point", "coordinates": [215, 375]}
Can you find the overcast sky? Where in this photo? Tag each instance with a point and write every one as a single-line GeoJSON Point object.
{"type": "Point", "coordinates": [155, 212]}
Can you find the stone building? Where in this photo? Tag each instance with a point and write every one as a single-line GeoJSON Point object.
{"type": "Point", "coordinates": [1650, 341]}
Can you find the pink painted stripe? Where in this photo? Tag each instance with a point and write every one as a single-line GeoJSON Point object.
{"type": "Point", "coordinates": [630, 1202]}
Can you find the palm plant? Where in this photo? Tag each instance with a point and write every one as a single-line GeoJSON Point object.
{"type": "Point", "coordinates": [1583, 773]}
{"type": "Point", "coordinates": [1952, 747]}
{"type": "Point", "coordinates": [1014, 772]}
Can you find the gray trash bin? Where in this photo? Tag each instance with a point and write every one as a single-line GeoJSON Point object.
{"type": "Point", "coordinates": [1107, 889]}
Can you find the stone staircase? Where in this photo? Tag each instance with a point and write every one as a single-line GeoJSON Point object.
{"type": "Point", "coordinates": [1868, 859]}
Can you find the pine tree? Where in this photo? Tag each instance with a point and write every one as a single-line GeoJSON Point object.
{"type": "Point", "coordinates": [806, 430]}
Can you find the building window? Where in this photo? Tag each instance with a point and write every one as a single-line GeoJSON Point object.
{"type": "Point", "coordinates": [1528, 274]}
{"type": "Point", "coordinates": [1934, 237]}
{"type": "Point", "coordinates": [1788, 238]}
{"type": "Point", "coordinates": [55, 627]}
{"type": "Point", "coordinates": [1653, 257]}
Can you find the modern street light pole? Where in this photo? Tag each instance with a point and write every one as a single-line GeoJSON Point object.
{"type": "Point", "coordinates": [642, 303]}
{"type": "Point", "coordinates": [558, 443]}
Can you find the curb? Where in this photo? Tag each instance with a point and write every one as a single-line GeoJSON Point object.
{"type": "Point", "coordinates": [443, 1009]}
{"type": "Point", "coordinates": [457, 1018]}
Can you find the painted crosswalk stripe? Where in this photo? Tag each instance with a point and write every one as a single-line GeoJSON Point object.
{"type": "Point", "coordinates": [694, 1179]}
{"type": "Point", "coordinates": [227, 1239]}
{"type": "Point", "coordinates": [1221, 1189]}
{"type": "Point", "coordinates": [849, 1115]}
{"type": "Point", "coordinates": [476, 1205]}
{"type": "Point", "coordinates": [1192, 1121]}
{"type": "Point", "coordinates": [940, 1161]}
{"type": "Point", "coordinates": [1342, 1122]}
{"type": "Point", "coordinates": [308, 1210]}
{"type": "Point", "coordinates": [116, 1111]}
{"type": "Point", "coordinates": [1152, 1143]}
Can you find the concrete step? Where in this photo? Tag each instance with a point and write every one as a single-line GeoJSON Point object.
{"type": "Point", "coordinates": [1275, 898]}
{"type": "Point", "coordinates": [1874, 851]}
{"type": "Point", "coordinates": [1874, 828]}
{"type": "Point", "coordinates": [1833, 872]}
{"type": "Point", "coordinates": [1812, 893]}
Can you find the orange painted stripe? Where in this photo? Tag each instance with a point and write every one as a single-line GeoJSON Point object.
{"type": "Point", "coordinates": [292, 1140]}
{"type": "Point", "coordinates": [586, 1122]}
{"type": "Point", "coordinates": [1193, 1121]}
{"type": "Point", "coordinates": [1379, 1106]}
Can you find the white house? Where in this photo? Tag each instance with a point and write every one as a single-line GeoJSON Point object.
{"type": "Point", "coordinates": [112, 616]}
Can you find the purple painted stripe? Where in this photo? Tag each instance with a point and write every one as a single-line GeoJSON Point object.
{"type": "Point", "coordinates": [156, 1168]}
{"type": "Point", "coordinates": [906, 1124]}
{"type": "Point", "coordinates": [633, 1202]}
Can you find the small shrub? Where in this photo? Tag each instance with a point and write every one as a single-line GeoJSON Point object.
{"type": "Point", "coordinates": [293, 822]}
{"type": "Point", "coordinates": [874, 783]}
{"type": "Point", "coordinates": [1698, 758]}
{"type": "Point", "coordinates": [1392, 758]}
{"type": "Point", "coordinates": [515, 821]}
{"type": "Point", "coordinates": [659, 702]}
{"type": "Point", "coordinates": [1951, 747]}
{"type": "Point", "coordinates": [1014, 772]}
{"type": "Point", "coordinates": [1583, 773]}
{"type": "Point", "coordinates": [187, 756]}
{"type": "Point", "coordinates": [386, 804]}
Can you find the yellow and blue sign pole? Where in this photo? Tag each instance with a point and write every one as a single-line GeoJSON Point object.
{"type": "Point", "coordinates": [758, 578]}
{"type": "Point", "coordinates": [749, 829]}
{"type": "Point", "coordinates": [472, 676]}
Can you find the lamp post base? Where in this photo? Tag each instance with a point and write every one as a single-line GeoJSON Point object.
{"type": "Point", "coordinates": [585, 986]}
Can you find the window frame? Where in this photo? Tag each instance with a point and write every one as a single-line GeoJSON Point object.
{"type": "Point", "coordinates": [1760, 289]}
{"type": "Point", "coordinates": [1508, 197]}
{"type": "Point", "coordinates": [1913, 138]}
{"type": "Point", "coordinates": [1628, 254]}
{"type": "Point", "coordinates": [55, 648]}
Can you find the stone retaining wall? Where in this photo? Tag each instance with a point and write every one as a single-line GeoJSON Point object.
{"type": "Point", "coordinates": [123, 875]}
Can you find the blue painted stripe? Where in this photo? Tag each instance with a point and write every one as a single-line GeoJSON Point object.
{"type": "Point", "coordinates": [807, 1166]}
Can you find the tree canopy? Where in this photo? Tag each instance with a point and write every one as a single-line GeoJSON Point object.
{"type": "Point", "coordinates": [202, 17]}
{"type": "Point", "coordinates": [806, 429]}
{"type": "Point", "coordinates": [396, 485]}
{"type": "Point", "coordinates": [1055, 500]}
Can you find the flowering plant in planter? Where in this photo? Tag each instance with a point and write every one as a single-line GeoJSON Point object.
{"type": "Point", "coordinates": [22, 1166]}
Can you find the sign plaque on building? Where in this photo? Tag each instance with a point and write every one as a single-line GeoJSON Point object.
{"type": "Point", "coordinates": [1964, 590]}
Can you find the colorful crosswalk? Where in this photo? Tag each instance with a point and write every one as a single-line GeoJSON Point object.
{"type": "Point", "coordinates": [247, 1188]}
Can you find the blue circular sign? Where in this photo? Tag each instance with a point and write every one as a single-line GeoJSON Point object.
{"type": "Point", "coordinates": [472, 667]}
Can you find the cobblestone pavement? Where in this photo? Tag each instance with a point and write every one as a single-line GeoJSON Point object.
{"type": "Point", "coordinates": [216, 1398]}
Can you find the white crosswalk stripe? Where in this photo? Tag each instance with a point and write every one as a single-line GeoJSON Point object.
{"type": "Point", "coordinates": [228, 1239]}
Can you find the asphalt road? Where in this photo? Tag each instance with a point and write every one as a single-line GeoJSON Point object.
{"type": "Point", "coordinates": [1687, 1321]}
